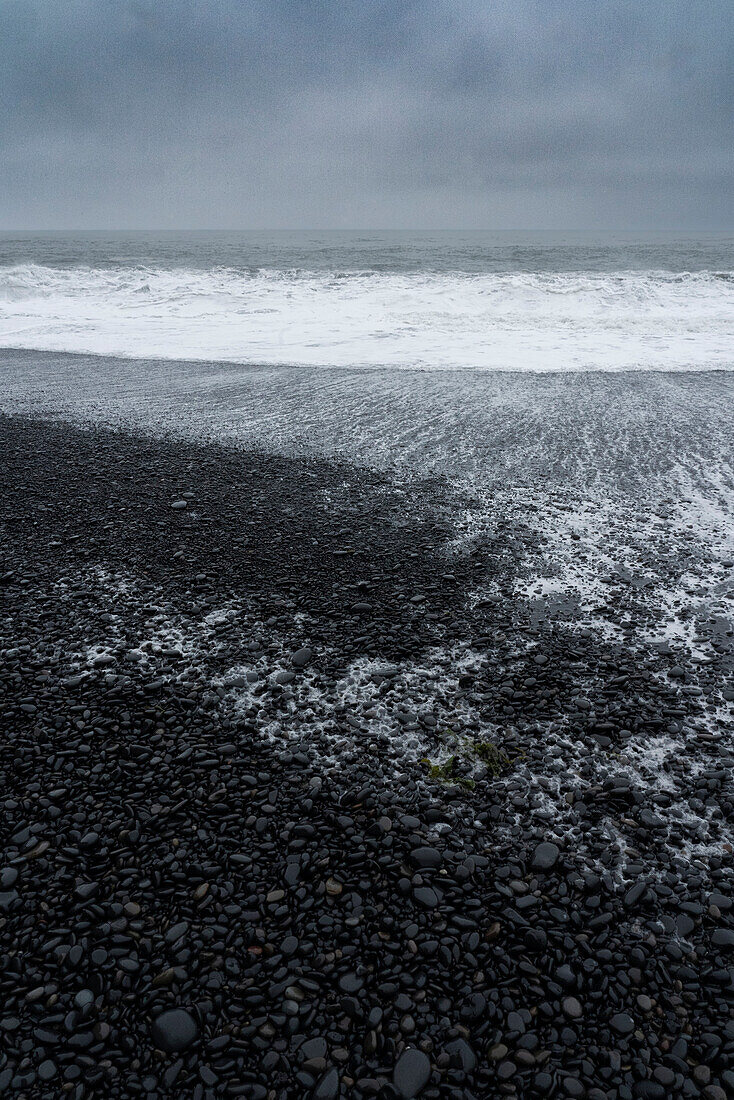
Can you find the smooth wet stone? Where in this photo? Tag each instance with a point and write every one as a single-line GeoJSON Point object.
{"type": "Point", "coordinates": [426, 857]}
{"type": "Point", "coordinates": [47, 1070]}
{"type": "Point", "coordinates": [411, 1074]}
{"type": "Point", "coordinates": [313, 1048]}
{"type": "Point", "coordinates": [302, 657]}
{"type": "Point", "coordinates": [649, 1090]}
{"type": "Point", "coordinates": [327, 1088]}
{"type": "Point", "coordinates": [622, 1023]}
{"type": "Point", "coordinates": [684, 925]}
{"type": "Point", "coordinates": [350, 983]}
{"type": "Point", "coordinates": [565, 975]}
{"type": "Point", "coordinates": [175, 1029]}
{"type": "Point", "coordinates": [461, 1054]}
{"type": "Point", "coordinates": [545, 856]}
{"type": "Point", "coordinates": [176, 932]}
{"type": "Point", "coordinates": [635, 893]}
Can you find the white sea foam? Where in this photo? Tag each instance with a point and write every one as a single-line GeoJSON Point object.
{"type": "Point", "coordinates": [626, 320]}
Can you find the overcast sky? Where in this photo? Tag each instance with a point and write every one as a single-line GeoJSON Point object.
{"type": "Point", "coordinates": [415, 114]}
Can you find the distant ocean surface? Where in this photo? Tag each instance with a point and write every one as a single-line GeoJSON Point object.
{"type": "Point", "coordinates": [442, 302]}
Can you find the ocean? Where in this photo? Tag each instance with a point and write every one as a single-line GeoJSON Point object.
{"type": "Point", "coordinates": [442, 302]}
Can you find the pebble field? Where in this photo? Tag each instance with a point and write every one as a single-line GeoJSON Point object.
{"type": "Point", "coordinates": [394, 770]}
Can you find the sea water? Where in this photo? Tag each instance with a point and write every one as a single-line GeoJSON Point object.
{"type": "Point", "coordinates": [504, 302]}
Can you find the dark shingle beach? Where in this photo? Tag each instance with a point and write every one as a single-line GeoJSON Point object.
{"type": "Point", "coordinates": [314, 785]}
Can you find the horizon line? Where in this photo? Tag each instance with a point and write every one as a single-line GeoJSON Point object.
{"type": "Point", "coordinates": [357, 229]}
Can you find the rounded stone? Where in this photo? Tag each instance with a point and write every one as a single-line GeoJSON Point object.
{"type": "Point", "coordinates": [649, 1090]}
{"type": "Point", "coordinates": [545, 856]}
{"type": "Point", "coordinates": [328, 1085]}
{"type": "Point", "coordinates": [426, 896]}
{"type": "Point", "coordinates": [411, 1073]}
{"type": "Point", "coordinates": [8, 877]}
{"type": "Point", "coordinates": [174, 1030]}
{"type": "Point", "coordinates": [462, 1055]}
{"type": "Point", "coordinates": [47, 1070]}
{"type": "Point", "coordinates": [622, 1023]}
{"type": "Point", "coordinates": [426, 857]}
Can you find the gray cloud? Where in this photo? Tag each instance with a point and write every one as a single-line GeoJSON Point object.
{"type": "Point", "coordinates": [366, 113]}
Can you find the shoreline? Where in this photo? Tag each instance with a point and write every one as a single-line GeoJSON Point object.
{"type": "Point", "coordinates": [202, 814]}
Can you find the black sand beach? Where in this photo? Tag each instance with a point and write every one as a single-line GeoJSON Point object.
{"type": "Point", "coordinates": [308, 791]}
{"type": "Point", "coordinates": [366, 550]}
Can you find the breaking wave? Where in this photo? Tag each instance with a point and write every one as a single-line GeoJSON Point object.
{"type": "Point", "coordinates": [625, 320]}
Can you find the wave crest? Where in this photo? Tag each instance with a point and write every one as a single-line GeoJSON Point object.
{"type": "Point", "coordinates": [625, 320]}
